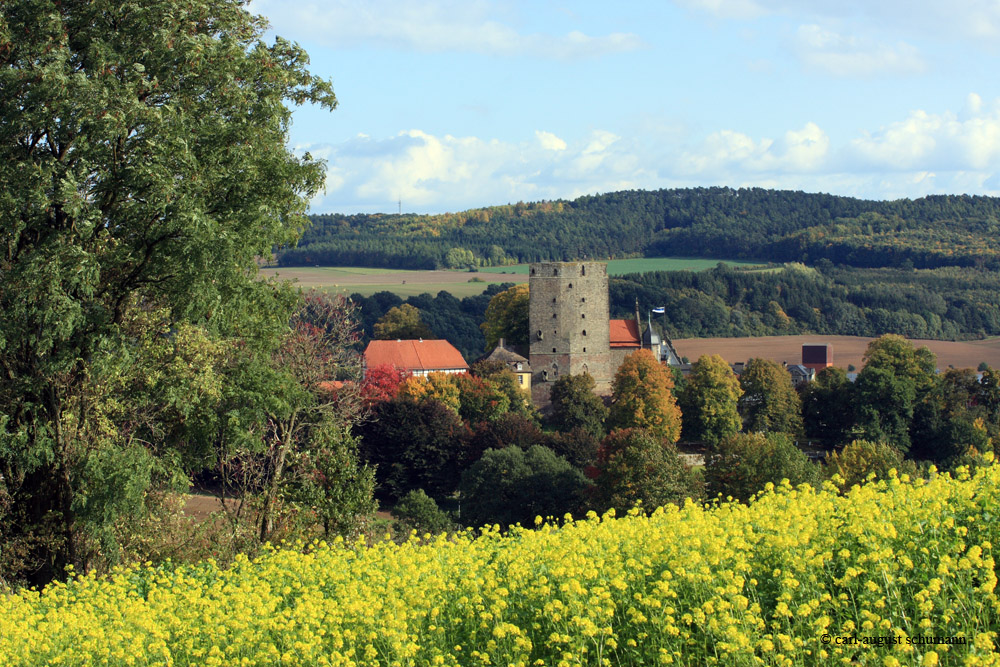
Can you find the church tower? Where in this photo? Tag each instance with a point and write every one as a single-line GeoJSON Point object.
{"type": "Point", "coordinates": [569, 325]}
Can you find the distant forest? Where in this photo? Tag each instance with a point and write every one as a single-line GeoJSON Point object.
{"type": "Point", "coordinates": [947, 303]}
{"type": "Point", "coordinates": [753, 223]}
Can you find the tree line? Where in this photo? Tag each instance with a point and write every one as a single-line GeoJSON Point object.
{"type": "Point", "coordinates": [476, 438]}
{"type": "Point", "coordinates": [750, 223]}
{"type": "Point", "coordinates": [946, 303]}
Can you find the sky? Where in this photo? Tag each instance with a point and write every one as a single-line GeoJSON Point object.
{"type": "Point", "coordinates": [447, 105]}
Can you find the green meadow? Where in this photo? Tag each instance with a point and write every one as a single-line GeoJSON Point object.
{"type": "Point", "coordinates": [405, 283]}
{"type": "Point", "coordinates": [620, 267]}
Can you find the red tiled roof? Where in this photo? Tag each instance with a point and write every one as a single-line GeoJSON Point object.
{"type": "Point", "coordinates": [624, 333]}
{"type": "Point", "coordinates": [414, 355]}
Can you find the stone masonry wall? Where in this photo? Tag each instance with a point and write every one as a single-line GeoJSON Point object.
{"type": "Point", "coordinates": [568, 317]}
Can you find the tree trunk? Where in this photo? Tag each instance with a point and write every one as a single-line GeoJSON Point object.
{"type": "Point", "coordinates": [271, 495]}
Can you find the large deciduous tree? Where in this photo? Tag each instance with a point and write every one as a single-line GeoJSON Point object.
{"type": "Point", "coordinates": [742, 464]}
{"type": "Point", "coordinates": [635, 465]}
{"type": "Point", "coordinates": [769, 403]}
{"type": "Point", "coordinates": [144, 167]}
{"type": "Point", "coordinates": [415, 445]}
{"type": "Point", "coordinates": [896, 377]}
{"type": "Point", "coordinates": [575, 405]}
{"type": "Point", "coordinates": [507, 317]}
{"type": "Point", "coordinates": [510, 485]}
{"type": "Point", "coordinates": [827, 407]}
{"type": "Point", "coordinates": [402, 322]}
{"type": "Point", "coordinates": [709, 401]}
{"type": "Point", "coordinates": [642, 397]}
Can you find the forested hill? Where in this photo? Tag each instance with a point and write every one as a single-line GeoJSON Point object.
{"type": "Point", "coordinates": [775, 225]}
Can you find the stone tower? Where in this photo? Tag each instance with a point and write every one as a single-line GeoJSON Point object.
{"type": "Point", "coordinates": [568, 319]}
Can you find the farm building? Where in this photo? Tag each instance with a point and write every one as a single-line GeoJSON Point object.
{"type": "Point", "coordinates": [519, 365]}
{"type": "Point", "coordinates": [817, 357]}
{"type": "Point", "coordinates": [418, 357]}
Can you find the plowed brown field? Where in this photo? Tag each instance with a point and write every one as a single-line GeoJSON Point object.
{"type": "Point", "coordinates": [846, 349]}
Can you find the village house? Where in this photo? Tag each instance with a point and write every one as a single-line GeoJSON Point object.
{"type": "Point", "coordinates": [417, 357]}
{"type": "Point", "coordinates": [517, 364]}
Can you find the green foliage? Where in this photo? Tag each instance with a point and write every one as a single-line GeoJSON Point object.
{"type": "Point", "coordinates": [507, 317]}
{"type": "Point", "coordinates": [709, 401]}
{"type": "Point", "coordinates": [510, 430]}
{"type": "Point", "coordinates": [575, 405]}
{"type": "Point", "coordinates": [143, 152]}
{"type": "Point", "coordinates": [741, 465]}
{"type": "Point", "coordinates": [451, 319]}
{"type": "Point", "coordinates": [861, 458]}
{"type": "Point", "coordinates": [636, 465]}
{"type": "Point", "coordinates": [480, 400]}
{"type": "Point", "coordinates": [510, 486]}
{"type": "Point", "coordinates": [895, 377]}
{"type": "Point", "coordinates": [459, 258]}
{"type": "Point", "coordinates": [641, 397]}
{"type": "Point", "coordinates": [415, 445]}
{"type": "Point", "coordinates": [331, 483]}
{"type": "Point", "coordinates": [779, 226]}
{"type": "Point", "coordinates": [416, 511]}
{"type": "Point", "coordinates": [402, 322]}
{"type": "Point", "coordinates": [577, 446]}
{"type": "Point", "coordinates": [769, 402]}
{"type": "Point", "coordinates": [827, 406]}
{"type": "Point", "coordinates": [943, 303]}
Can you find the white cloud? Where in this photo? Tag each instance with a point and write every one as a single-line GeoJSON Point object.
{"type": "Point", "coordinates": [726, 9]}
{"type": "Point", "coordinates": [431, 172]}
{"type": "Point", "coordinates": [728, 151]}
{"type": "Point", "coordinates": [847, 55]}
{"type": "Point", "coordinates": [927, 141]}
{"type": "Point", "coordinates": [432, 27]}
{"type": "Point", "coordinates": [924, 153]}
{"type": "Point", "coordinates": [549, 141]}
{"type": "Point", "coordinates": [978, 20]}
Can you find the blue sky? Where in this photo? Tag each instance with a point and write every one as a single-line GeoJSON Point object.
{"type": "Point", "coordinates": [449, 105]}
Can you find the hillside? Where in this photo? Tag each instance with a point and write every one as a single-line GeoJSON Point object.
{"type": "Point", "coordinates": [719, 222]}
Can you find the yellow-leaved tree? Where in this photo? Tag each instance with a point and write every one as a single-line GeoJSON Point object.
{"type": "Point", "coordinates": [434, 386]}
{"type": "Point", "coordinates": [642, 397]}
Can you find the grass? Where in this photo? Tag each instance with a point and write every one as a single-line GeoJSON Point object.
{"type": "Point", "coordinates": [406, 283]}
{"type": "Point", "coordinates": [457, 290]}
{"type": "Point", "coordinates": [618, 267]}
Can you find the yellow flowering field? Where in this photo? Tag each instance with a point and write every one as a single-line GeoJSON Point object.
{"type": "Point", "coordinates": [799, 577]}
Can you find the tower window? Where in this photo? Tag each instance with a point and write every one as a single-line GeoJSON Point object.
{"type": "Point", "coordinates": [553, 350]}
{"type": "Point", "coordinates": [553, 316]}
{"type": "Point", "coordinates": [583, 316]}
{"type": "Point", "coordinates": [555, 272]}
{"type": "Point", "coordinates": [583, 270]}
{"type": "Point", "coordinates": [539, 334]}
{"type": "Point", "coordinates": [583, 300]}
{"type": "Point", "coordinates": [571, 285]}
{"type": "Point", "coordinates": [532, 272]}
{"type": "Point", "coordinates": [584, 332]}
{"type": "Point", "coordinates": [553, 299]}
{"type": "Point", "coordinates": [584, 349]}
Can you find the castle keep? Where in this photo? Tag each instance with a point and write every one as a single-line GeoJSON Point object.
{"type": "Point", "coordinates": [568, 317]}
